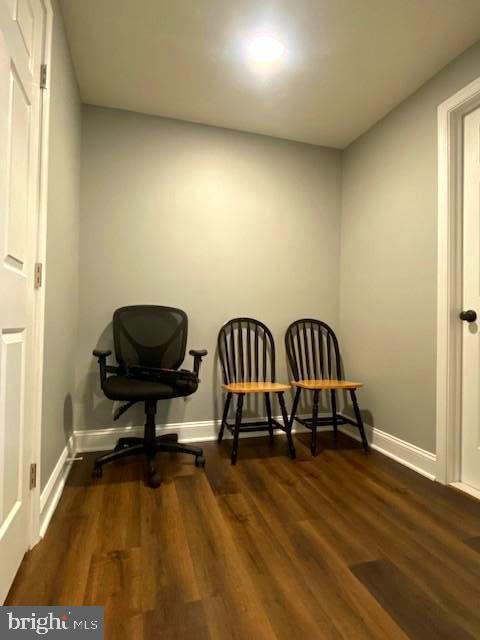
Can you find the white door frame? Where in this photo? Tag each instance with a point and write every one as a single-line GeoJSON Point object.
{"type": "Point", "coordinates": [36, 362]}
{"type": "Point", "coordinates": [449, 279]}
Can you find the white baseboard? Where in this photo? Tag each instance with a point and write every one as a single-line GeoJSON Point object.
{"type": "Point", "coordinates": [466, 488]}
{"type": "Point", "coordinates": [411, 456]}
{"type": "Point", "coordinates": [52, 491]}
{"type": "Point", "coordinates": [82, 441]}
{"type": "Point", "coordinates": [86, 440]}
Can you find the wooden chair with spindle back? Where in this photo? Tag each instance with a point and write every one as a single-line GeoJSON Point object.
{"type": "Point", "coordinates": [314, 358]}
{"type": "Point", "coordinates": [246, 351]}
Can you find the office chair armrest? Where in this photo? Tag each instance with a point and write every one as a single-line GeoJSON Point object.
{"type": "Point", "coordinates": [102, 356]}
{"type": "Point", "coordinates": [197, 354]}
{"type": "Point", "coordinates": [101, 353]}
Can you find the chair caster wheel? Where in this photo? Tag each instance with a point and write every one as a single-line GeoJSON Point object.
{"type": "Point", "coordinates": [154, 480]}
{"type": "Point", "coordinates": [200, 461]}
{"type": "Point", "coordinates": [97, 472]}
{"type": "Point", "coordinates": [313, 451]}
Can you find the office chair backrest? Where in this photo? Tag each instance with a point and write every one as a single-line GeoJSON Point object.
{"type": "Point", "coordinates": [150, 336]}
{"type": "Point", "coordinates": [246, 351]}
{"type": "Point", "coordinates": [312, 350]}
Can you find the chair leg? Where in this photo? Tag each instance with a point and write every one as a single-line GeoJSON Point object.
{"type": "Point", "coordinates": [358, 417]}
{"type": "Point", "coordinates": [333, 396]}
{"type": "Point", "coordinates": [167, 437]}
{"type": "Point", "coordinates": [153, 475]}
{"type": "Point", "coordinates": [288, 429]}
{"type": "Point", "coordinates": [296, 400]}
{"type": "Point", "coordinates": [269, 415]}
{"type": "Point", "coordinates": [150, 426]}
{"type": "Point", "coordinates": [236, 433]}
{"type": "Point", "coordinates": [313, 443]}
{"type": "Point", "coordinates": [127, 442]}
{"type": "Point", "coordinates": [115, 455]}
{"type": "Point", "coordinates": [224, 417]}
{"type": "Point", "coordinates": [174, 447]}
{"type": "Point", "coordinates": [150, 443]}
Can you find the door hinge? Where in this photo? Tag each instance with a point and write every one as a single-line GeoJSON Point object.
{"type": "Point", "coordinates": [33, 475]}
{"type": "Point", "coordinates": [38, 277]}
{"type": "Point", "coordinates": [43, 76]}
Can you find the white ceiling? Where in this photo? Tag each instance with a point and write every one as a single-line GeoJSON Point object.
{"type": "Point", "coordinates": [347, 62]}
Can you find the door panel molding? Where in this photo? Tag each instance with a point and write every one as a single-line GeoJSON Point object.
{"type": "Point", "coordinates": [449, 279]}
{"type": "Point", "coordinates": [470, 439]}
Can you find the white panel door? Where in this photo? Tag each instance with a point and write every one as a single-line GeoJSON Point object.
{"type": "Point", "coordinates": [470, 463]}
{"type": "Point", "coordinates": [22, 26]}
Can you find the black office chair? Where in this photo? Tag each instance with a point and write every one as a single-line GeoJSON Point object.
{"type": "Point", "coordinates": [150, 343]}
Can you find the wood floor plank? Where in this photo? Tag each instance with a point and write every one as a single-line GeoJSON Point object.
{"type": "Point", "coordinates": [333, 522]}
{"type": "Point", "coordinates": [342, 546]}
{"type": "Point", "coordinates": [460, 516]}
{"type": "Point", "coordinates": [326, 578]}
{"type": "Point", "coordinates": [162, 528]}
{"type": "Point", "coordinates": [466, 507]}
{"type": "Point", "coordinates": [117, 577]}
{"type": "Point", "coordinates": [406, 515]}
{"type": "Point", "coordinates": [121, 509]}
{"type": "Point", "coordinates": [217, 564]}
{"type": "Point", "coordinates": [425, 561]}
{"type": "Point", "coordinates": [474, 543]}
{"type": "Point", "coordinates": [411, 607]}
{"type": "Point", "coordinates": [418, 524]}
{"type": "Point", "coordinates": [175, 623]}
{"type": "Point", "coordinates": [55, 572]}
{"type": "Point", "coordinates": [291, 608]}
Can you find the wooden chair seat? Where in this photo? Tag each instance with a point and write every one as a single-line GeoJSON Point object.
{"type": "Point", "coordinates": [256, 387]}
{"type": "Point", "coordinates": [319, 385]}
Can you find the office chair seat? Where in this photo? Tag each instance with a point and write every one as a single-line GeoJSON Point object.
{"type": "Point", "coordinates": [127, 388]}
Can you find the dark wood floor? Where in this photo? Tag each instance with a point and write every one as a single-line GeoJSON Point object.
{"type": "Point", "coordinates": [343, 546]}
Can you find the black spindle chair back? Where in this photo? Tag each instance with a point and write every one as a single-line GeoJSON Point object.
{"type": "Point", "coordinates": [312, 350]}
{"type": "Point", "coordinates": [247, 351]}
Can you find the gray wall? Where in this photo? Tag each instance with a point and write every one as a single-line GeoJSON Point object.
{"type": "Point", "coordinates": [216, 222]}
{"type": "Point", "coordinates": [222, 223]}
{"type": "Point", "coordinates": [388, 259]}
{"type": "Point", "coordinates": [61, 310]}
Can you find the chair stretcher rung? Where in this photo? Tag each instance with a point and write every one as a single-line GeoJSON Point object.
{"type": "Point", "coordinates": [324, 421]}
{"type": "Point", "coordinates": [251, 426]}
